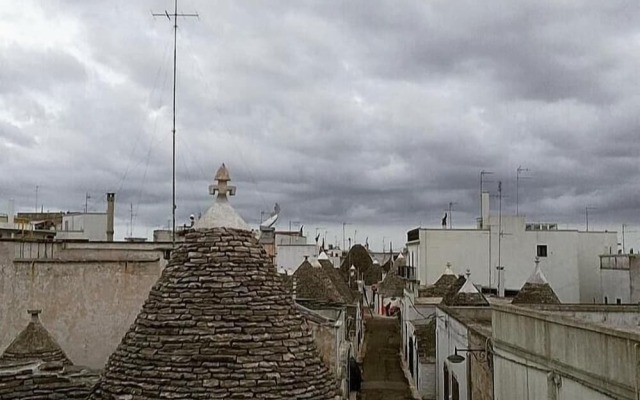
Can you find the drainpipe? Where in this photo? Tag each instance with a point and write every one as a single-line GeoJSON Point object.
{"type": "Point", "coordinates": [635, 359]}
{"type": "Point", "coordinates": [111, 199]}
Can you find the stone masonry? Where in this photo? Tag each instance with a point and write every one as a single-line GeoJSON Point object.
{"type": "Point", "coordinates": [35, 343]}
{"type": "Point", "coordinates": [217, 324]}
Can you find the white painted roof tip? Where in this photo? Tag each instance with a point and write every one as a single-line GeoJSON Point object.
{"type": "Point", "coordinates": [376, 262]}
{"type": "Point", "coordinates": [315, 263]}
{"type": "Point", "coordinates": [221, 214]}
{"type": "Point", "coordinates": [323, 256]}
{"type": "Point", "coordinates": [400, 256]}
{"type": "Point", "coordinates": [448, 271]}
{"type": "Point", "coordinates": [223, 173]}
{"type": "Point", "coordinates": [537, 277]}
{"type": "Point", "coordinates": [468, 287]}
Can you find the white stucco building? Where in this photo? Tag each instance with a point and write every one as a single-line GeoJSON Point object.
{"type": "Point", "coordinates": [620, 278]}
{"type": "Point", "coordinates": [84, 226]}
{"type": "Point", "coordinates": [569, 258]}
{"type": "Point", "coordinates": [290, 256]}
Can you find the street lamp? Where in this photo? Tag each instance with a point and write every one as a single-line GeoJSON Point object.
{"type": "Point", "coordinates": [456, 358]}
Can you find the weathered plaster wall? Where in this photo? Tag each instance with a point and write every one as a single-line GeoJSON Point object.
{"type": "Point", "coordinates": [529, 344]}
{"type": "Point", "coordinates": [450, 334]}
{"type": "Point", "coordinates": [86, 305]}
{"type": "Point", "coordinates": [325, 337]}
{"type": "Point", "coordinates": [481, 370]}
{"type": "Point", "coordinates": [427, 380]}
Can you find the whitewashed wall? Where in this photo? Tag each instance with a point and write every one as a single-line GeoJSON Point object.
{"type": "Point", "coordinates": [571, 265]}
{"type": "Point", "coordinates": [289, 257]}
{"type": "Point", "coordinates": [615, 284]}
{"type": "Point", "coordinates": [450, 334]}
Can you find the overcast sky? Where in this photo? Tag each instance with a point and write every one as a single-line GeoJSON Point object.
{"type": "Point", "coordinates": [375, 113]}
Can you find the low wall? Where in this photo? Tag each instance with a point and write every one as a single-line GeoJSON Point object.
{"type": "Point", "coordinates": [591, 357]}
{"type": "Point", "coordinates": [86, 305]}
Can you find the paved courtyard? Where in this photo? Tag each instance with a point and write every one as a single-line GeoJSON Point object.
{"type": "Point", "coordinates": [383, 375]}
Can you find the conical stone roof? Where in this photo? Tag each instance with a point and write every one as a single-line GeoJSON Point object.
{"type": "Point", "coordinates": [392, 285]}
{"type": "Point", "coordinates": [35, 343]}
{"type": "Point", "coordinates": [536, 290]}
{"type": "Point", "coordinates": [338, 282]}
{"type": "Point", "coordinates": [217, 324]}
{"type": "Point", "coordinates": [359, 257]}
{"type": "Point", "coordinates": [312, 282]}
{"type": "Point", "coordinates": [441, 286]}
{"type": "Point", "coordinates": [464, 293]}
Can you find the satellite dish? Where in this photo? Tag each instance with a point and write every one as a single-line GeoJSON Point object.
{"type": "Point", "coordinates": [270, 222]}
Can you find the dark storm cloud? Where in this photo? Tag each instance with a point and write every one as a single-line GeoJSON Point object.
{"type": "Point", "coordinates": [378, 114]}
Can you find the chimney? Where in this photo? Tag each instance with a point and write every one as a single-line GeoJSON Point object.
{"type": "Point", "coordinates": [11, 212]}
{"type": "Point", "coordinates": [111, 199]}
{"type": "Point", "coordinates": [34, 315]}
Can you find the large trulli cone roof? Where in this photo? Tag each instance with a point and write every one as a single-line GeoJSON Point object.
{"type": "Point", "coordinates": [217, 324]}
{"type": "Point", "coordinates": [35, 343]}
{"type": "Point", "coordinates": [536, 290]}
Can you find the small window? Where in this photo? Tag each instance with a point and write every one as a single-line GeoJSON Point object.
{"type": "Point", "coordinates": [618, 301]}
{"type": "Point", "coordinates": [446, 382]}
{"type": "Point", "coordinates": [606, 300]}
{"type": "Point", "coordinates": [542, 250]}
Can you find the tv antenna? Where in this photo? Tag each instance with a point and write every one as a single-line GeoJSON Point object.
{"type": "Point", "coordinates": [175, 16]}
{"type": "Point", "coordinates": [519, 170]}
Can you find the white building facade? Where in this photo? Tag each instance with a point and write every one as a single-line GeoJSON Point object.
{"type": "Point", "coordinates": [84, 226]}
{"type": "Point", "coordinates": [290, 256]}
{"type": "Point", "coordinates": [569, 258]}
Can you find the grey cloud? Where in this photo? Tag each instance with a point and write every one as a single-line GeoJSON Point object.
{"type": "Point", "coordinates": [373, 113]}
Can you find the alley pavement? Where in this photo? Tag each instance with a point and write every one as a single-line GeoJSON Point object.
{"type": "Point", "coordinates": [383, 377]}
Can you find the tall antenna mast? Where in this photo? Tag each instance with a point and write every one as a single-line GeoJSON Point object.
{"type": "Point", "coordinates": [175, 16]}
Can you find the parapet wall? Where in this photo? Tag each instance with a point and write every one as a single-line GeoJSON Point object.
{"type": "Point", "coordinates": [87, 305]}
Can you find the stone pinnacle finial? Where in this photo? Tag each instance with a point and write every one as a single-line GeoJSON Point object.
{"type": "Point", "coordinates": [222, 188]}
{"type": "Point", "coordinates": [221, 214]}
{"type": "Point", "coordinates": [537, 261]}
{"type": "Point", "coordinates": [468, 273]}
{"type": "Point", "coordinates": [35, 315]}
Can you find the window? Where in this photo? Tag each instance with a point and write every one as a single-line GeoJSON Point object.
{"type": "Point", "coordinates": [446, 383]}
{"type": "Point", "coordinates": [618, 301]}
{"type": "Point", "coordinates": [542, 250]}
{"type": "Point", "coordinates": [606, 300]}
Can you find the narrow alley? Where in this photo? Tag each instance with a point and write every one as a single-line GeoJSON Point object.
{"type": "Point", "coordinates": [383, 376]}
